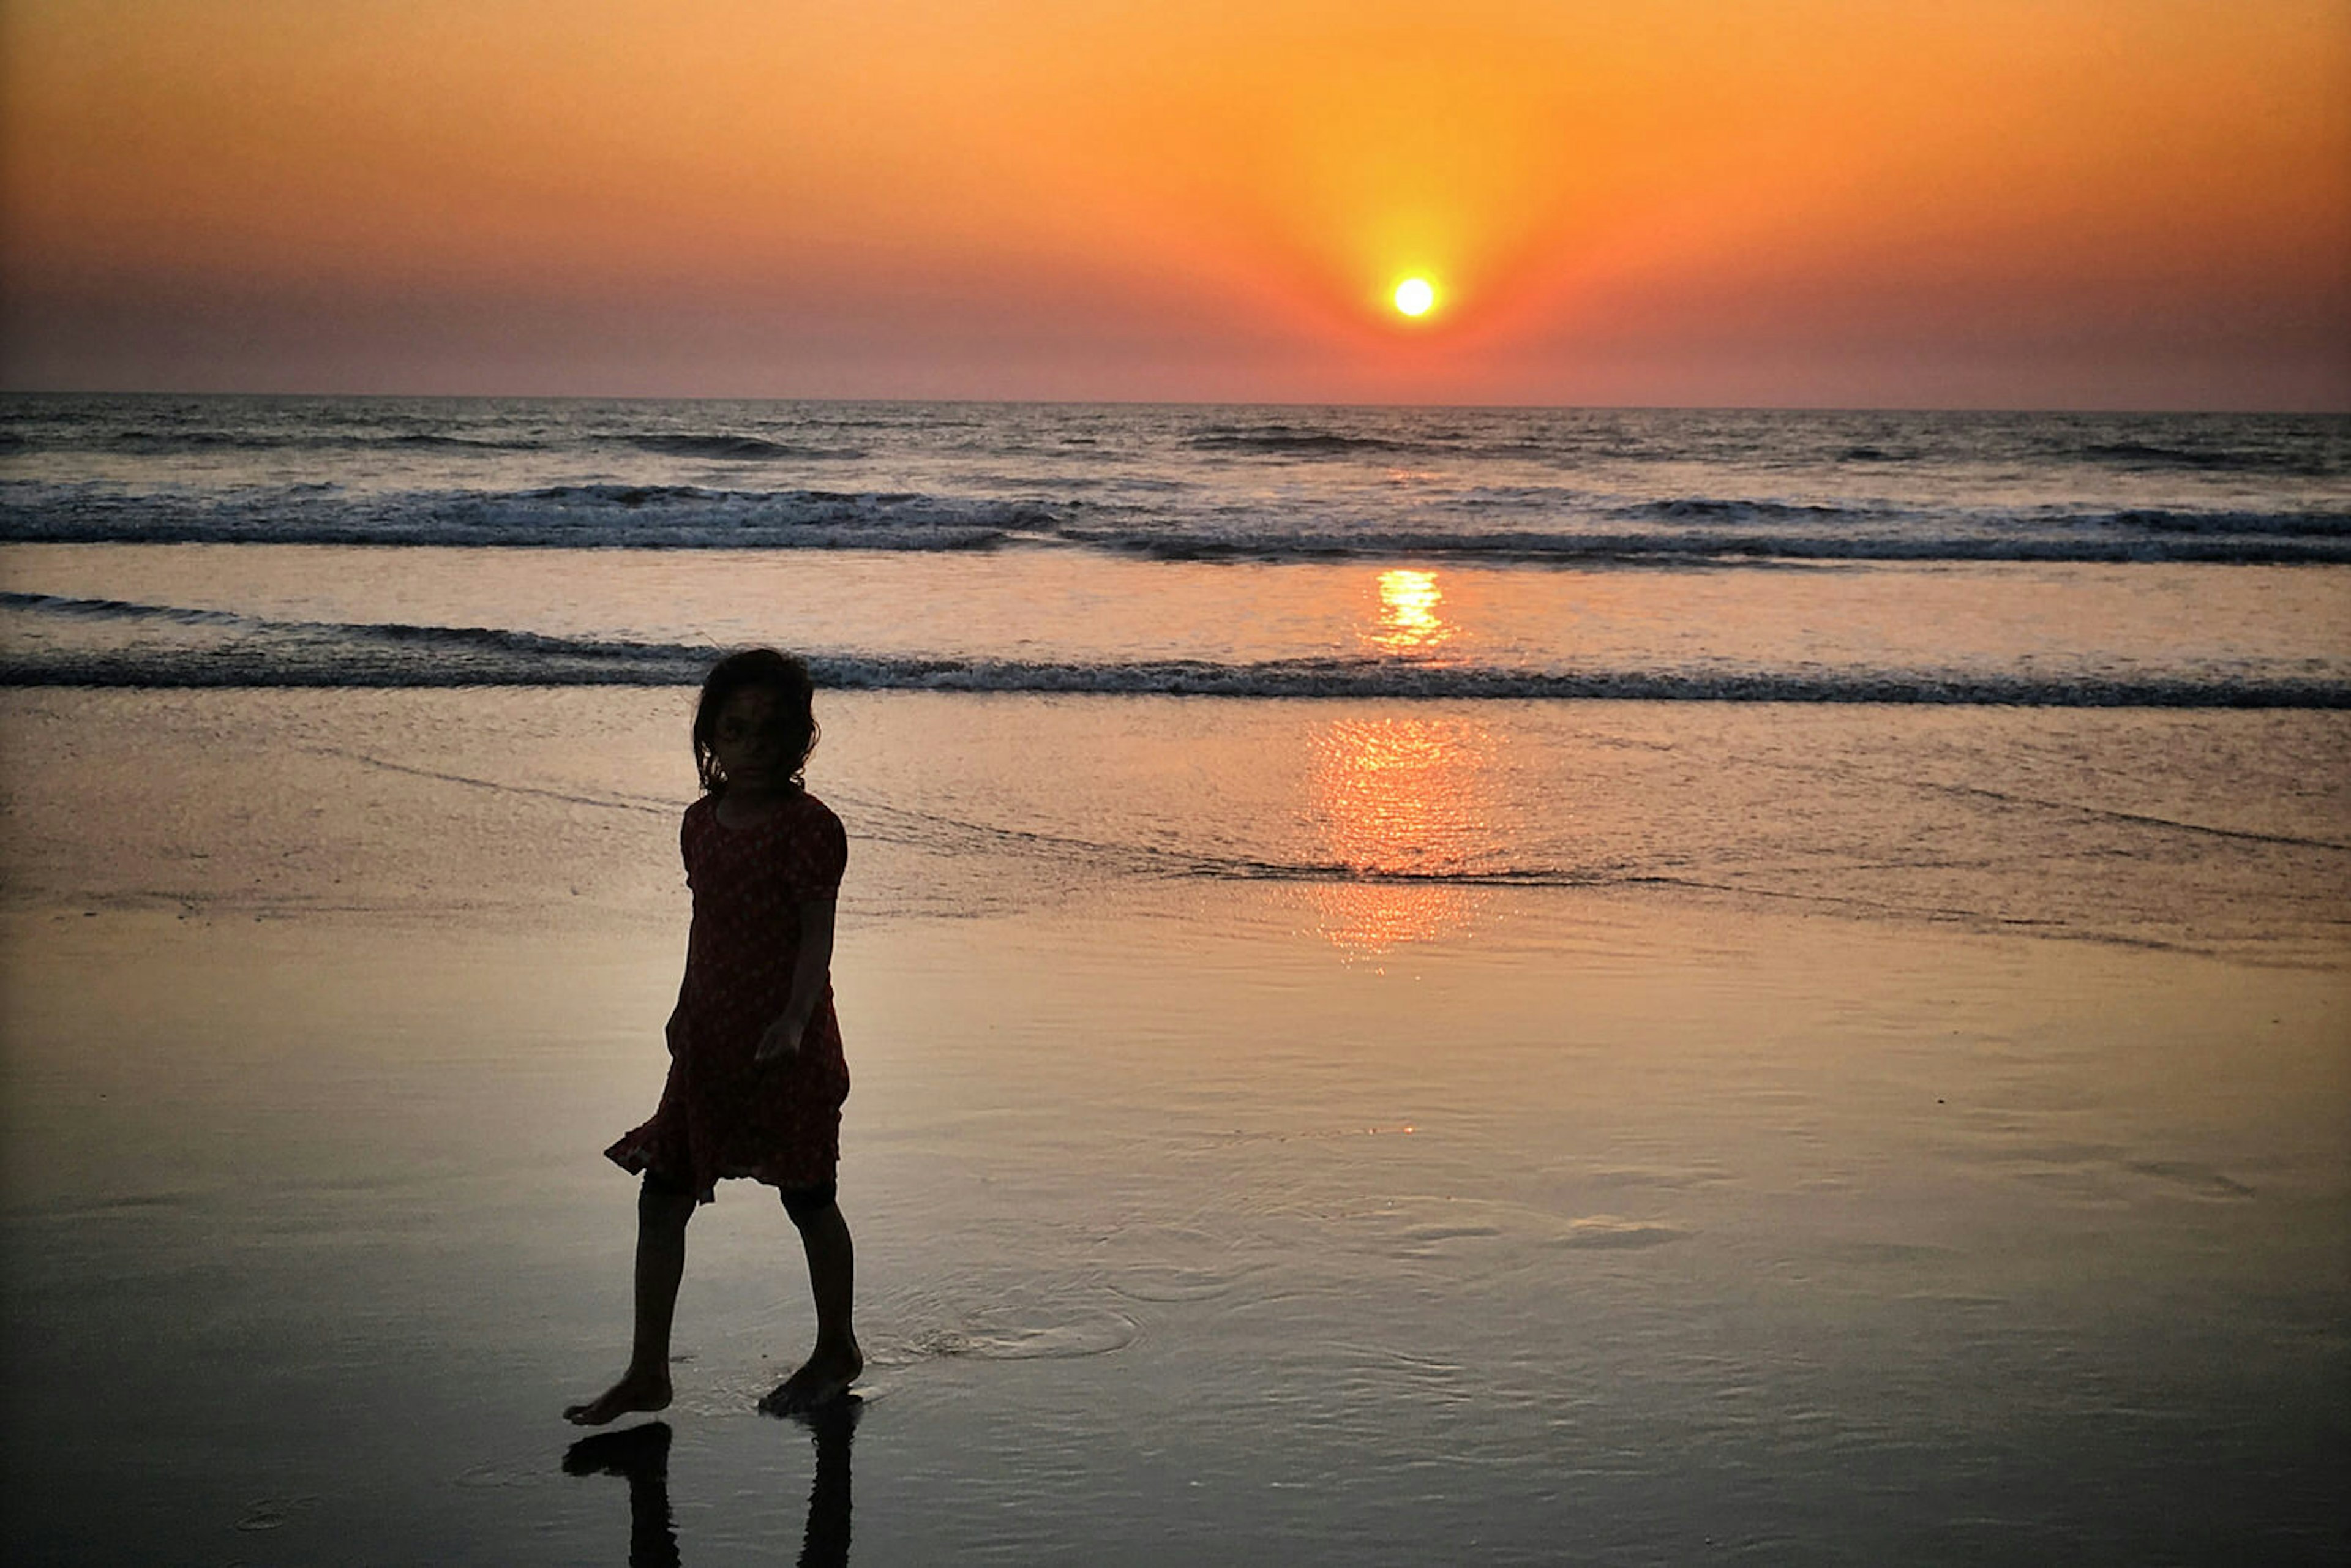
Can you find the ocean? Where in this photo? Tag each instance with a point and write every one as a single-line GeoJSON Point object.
{"type": "Point", "coordinates": [1424, 985]}
{"type": "Point", "coordinates": [2150, 561]}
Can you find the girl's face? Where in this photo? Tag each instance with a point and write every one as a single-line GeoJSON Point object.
{"type": "Point", "coordinates": [748, 740]}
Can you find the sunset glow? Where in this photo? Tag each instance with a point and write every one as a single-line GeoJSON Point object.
{"type": "Point", "coordinates": [2117, 202]}
{"type": "Point", "coordinates": [1414, 295]}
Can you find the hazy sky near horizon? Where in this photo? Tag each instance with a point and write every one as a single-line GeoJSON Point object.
{"type": "Point", "coordinates": [2119, 203]}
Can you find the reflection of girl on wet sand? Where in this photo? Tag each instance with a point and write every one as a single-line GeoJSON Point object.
{"type": "Point", "coordinates": [639, 1454]}
{"type": "Point", "coordinates": [755, 1077]}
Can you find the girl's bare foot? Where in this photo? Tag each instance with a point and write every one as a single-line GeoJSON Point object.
{"type": "Point", "coordinates": [635, 1391]}
{"type": "Point", "coordinates": [823, 1378]}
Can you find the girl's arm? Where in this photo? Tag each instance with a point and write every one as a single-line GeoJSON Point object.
{"type": "Point", "coordinates": [673, 1031]}
{"type": "Point", "coordinates": [810, 974]}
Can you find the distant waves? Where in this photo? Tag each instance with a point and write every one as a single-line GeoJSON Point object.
{"type": "Point", "coordinates": [1498, 525]}
{"type": "Point", "coordinates": [1181, 483]}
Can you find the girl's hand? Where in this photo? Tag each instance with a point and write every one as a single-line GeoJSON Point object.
{"type": "Point", "coordinates": [781, 1040]}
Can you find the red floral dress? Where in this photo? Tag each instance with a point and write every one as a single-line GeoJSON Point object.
{"type": "Point", "coordinates": [719, 1114]}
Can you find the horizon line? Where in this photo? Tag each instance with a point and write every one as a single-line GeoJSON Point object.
{"type": "Point", "coordinates": [2045, 408]}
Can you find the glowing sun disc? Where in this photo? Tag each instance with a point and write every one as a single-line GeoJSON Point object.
{"type": "Point", "coordinates": [1414, 295]}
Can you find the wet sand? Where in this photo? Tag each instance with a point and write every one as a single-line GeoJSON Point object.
{"type": "Point", "coordinates": [1250, 1219]}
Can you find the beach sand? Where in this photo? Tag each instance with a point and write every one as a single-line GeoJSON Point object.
{"type": "Point", "coordinates": [1757, 1202]}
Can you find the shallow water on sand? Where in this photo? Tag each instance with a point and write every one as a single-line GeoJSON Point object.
{"type": "Point", "coordinates": [1226, 1187]}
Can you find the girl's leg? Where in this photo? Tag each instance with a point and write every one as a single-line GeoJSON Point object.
{"type": "Point", "coordinates": [835, 1363]}
{"type": "Point", "coordinates": [662, 1215]}
{"type": "Point", "coordinates": [663, 1211]}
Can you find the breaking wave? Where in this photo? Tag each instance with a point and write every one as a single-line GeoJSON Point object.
{"type": "Point", "coordinates": [740, 448]}
{"type": "Point", "coordinates": [216, 648]}
{"type": "Point", "coordinates": [1501, 525]}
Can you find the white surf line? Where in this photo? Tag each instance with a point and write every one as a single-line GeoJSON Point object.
{"type": "Point", "coordinates": [2138, 818]}
{"type": "Point", "coordinates": [623, 803]}
{"type": "Point", "coordinates": [1259, 871]}
{"type": "Point", "coordinates": [1165, 861]}
{"type": "Point", "coordinates": [1162, 860]}
{"type": "Point", "coordinates": [1842, 900]}
{"type": "Point", "coordinates": [2057, 930]}
{"type": "Point", "coordinates": [1179, 863]}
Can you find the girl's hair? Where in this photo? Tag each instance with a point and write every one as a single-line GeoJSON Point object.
{"type": "Point", "coordinates": [795, 707]}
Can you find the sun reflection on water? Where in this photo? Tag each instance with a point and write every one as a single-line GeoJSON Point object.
{"type": "Point", "coordinates": [1408, 621]}
{"type": "Point", "coordinates": [1402, 806]}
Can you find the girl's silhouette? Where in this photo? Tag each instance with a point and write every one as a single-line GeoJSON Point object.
{"type": "Point", "coordinates": [755, 1077]}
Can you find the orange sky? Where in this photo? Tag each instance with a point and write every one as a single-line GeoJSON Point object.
{"type": "Point", "coordinates": [2018, 203]}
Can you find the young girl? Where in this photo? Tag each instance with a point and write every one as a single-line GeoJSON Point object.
{"type": "Point", "coordinates": [756, 1075]}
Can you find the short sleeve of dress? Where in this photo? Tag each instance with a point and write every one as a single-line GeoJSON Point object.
{"type": "Point", "coordinates": [812, 855]}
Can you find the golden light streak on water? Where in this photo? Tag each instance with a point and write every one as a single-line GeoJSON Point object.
{"type": "Point", "coordinates": [1409, 618]}
{"type": "Point", "coordinates": [1403, 799]}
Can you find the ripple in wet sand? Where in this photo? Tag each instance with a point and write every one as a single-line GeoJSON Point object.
{"type": "Point", "coordinates": [1088, 1332]}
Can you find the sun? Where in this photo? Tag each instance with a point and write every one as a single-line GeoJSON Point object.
{"type": "Point", "coordinates": [1414, 295]}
